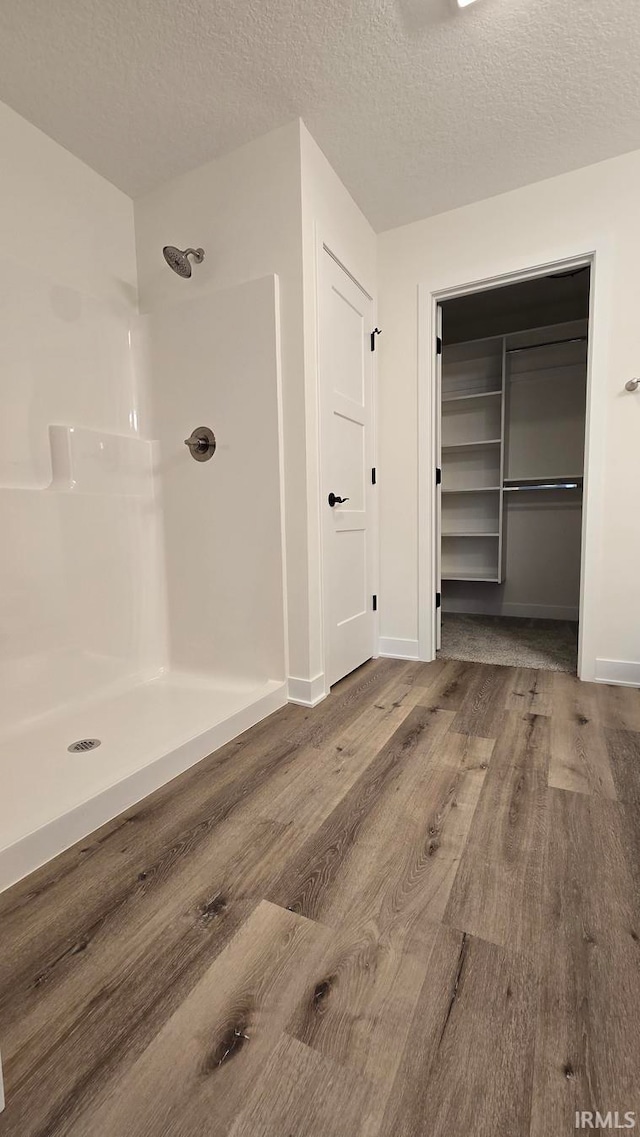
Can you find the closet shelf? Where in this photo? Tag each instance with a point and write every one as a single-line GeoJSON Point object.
{"type": "Point", "coordinates": [471, 576]}
{"type": "Point", "coordinates": [471, 395]}
{"type": "Point", "coordinates": [488, 419]}
{"type": "Point", "coordinates": [473, 489]}
{"type": "Point", "coordinates": [473, 445]}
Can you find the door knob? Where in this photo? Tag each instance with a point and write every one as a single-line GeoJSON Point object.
{"type": "Point", "coordinates": [334, 500]}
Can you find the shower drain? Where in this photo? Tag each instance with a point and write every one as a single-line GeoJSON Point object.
{"type": "Point", "coordinates": [83, 744]}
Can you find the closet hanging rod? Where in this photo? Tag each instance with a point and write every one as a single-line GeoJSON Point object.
{"type": "Point", "coordinates": [541, 484]}
{"type": "Point", "coordinates": [549, 343]}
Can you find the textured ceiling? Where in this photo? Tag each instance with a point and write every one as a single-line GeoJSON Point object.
{"type": "Point", "coordinates": [419, 108]}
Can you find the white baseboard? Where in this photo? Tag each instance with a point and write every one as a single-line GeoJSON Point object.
{"type": "Point", "coordinates": [35, 849]}
{"type": "Point", "coordinates": [622, 672]}
{"type": "Point", "coordinates": [398, 649]}
{"type": "Point", "coordinates": [526, 611]}
{"type": "Point", "coordinates": [307, 692]}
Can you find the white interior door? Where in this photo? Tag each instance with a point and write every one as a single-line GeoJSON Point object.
{"type": "Point", "coordinates": [346, 407]}
{"type": "Point", "coordinates": [438, 509]}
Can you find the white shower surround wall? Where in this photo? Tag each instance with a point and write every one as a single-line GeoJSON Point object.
{"type": "Point", "coordinates": [192, 553]}
{"type": "Point", "coordinates": [199, 565]}
{"type": "Point", "coordinates": [117, 622]}
{"type": "Point", "coordinates": [213, 361]}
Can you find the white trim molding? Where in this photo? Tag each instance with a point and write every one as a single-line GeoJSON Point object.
{"type": "Point", "coordinates": [526, 611]}
{"type": "Point", "coordinates": [621, 672]}
{"type": "Point", "coordinates": [307, 692]}
{"type": "Point", "coordinates": [398, 649]}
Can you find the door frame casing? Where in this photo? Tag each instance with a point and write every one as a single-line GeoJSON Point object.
{"type": "Point", "coordinates": [429, 299]}
{"type": "Point", "coordinates": [323, 248]}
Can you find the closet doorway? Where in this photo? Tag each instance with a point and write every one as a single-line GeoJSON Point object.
{"type": "Point", "coordinates": [511, 414]}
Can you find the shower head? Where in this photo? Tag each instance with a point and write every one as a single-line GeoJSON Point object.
{"type": "Point", "coordinates": [178, 259]}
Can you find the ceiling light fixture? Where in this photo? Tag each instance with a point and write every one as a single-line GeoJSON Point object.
{"type": "Point", "coordinates": [465, 3]}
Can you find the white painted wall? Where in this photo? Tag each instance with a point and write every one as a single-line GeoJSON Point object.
{"type": "Point", "coordinates": [329, 216]}
{"type": "Point", "coordinates": [71, 572]}
{"type": "Point", "coordinates": [593, 209]}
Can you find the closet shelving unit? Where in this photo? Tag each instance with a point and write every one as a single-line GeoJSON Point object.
{"type": "Point", "coordinates": [472, 446]}
{"type": "Point", "coordinates": [490, 442]}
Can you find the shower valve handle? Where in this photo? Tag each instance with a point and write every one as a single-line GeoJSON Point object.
{"type": "Point", "coordinates": [198, 443]}
{"type": "Point", "coordinates": [201, 443]}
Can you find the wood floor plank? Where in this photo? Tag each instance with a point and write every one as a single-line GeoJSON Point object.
{"type": "Point", "coordinates": [482, 709]}
{"type": "Point", "coordinates": [580, 761]}
{"type": "Point", "coordinates": [301, 1093]}
{"type": "Point", "coordinates": [310, 795]}
{"type": "Point", "coordinates": [530, 690]}
{"type": "Point", "coordinates": [171, 896]}
{"type": "Point", "coordinates": [312, 883]}
{"type": "Point", "coordinates": [623, 752]}
{"type": "Point", "coordinates": [501, 903]}
{"type": "Point", "coordinates": [424, 674]}
{"type": "Point", "coordinates": [445, 687]}
{"type": "Point", "coordinates": [524, 742]}
{"type": "Point", "coordinates": [195, 1075]}
{"type": "Point", "coordinates": [52, 1077]}
{"type": "Point", "coordinates": [572, 699]}
{"type": "Point", "coordinates": [497, 891]}
{"type": "Point", "coordinates": [510, 821]}
{"type": "Point", "coordinates": [612, 706]}
{"type": "Point", "coordinates": [471, 1069]}
{"type": "Point", "coordinates": [72, 1024]}
{"type": "Point", "coordinates": [358, 1008]}
{"type": "Point", "coordinates": [402, 872]}
{"type": "Point", "coordinates": [618, 707]}
{"type": "Point", "coordinates": [384, 914]}
{"type": "Point", "coordinates": [588, 1034]}
{"type": "Point", "coordinates": [592, 864]}
{"type": "Point", "coordinates": [465, 752]}
{"type": "Point", "coordinates": [388, 895]}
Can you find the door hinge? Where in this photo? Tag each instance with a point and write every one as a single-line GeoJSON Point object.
{"type": "Point", "coordinates": [438, 599]}
{"type": "Point", "coordinates": [438, 475]}
{"type": "Point", "coordinates": [373, 476]}
{"type": "Point", "coordinates": [375, 332]}
{"type": "Point", "coordinates": [375, 603]}
{"type": "Point", "coordinates": [438, 345]}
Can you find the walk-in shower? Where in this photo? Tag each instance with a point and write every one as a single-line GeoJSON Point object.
{"type": "Point", "coordinates": [178, 259]}
{"type": "Point", "coordinates": [141, 593]}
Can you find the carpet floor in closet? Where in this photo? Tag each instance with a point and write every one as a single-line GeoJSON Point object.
{"type": "Point", "coordinates": [413, 911]}
{"type": "Point", "coordinates": [510, 641]}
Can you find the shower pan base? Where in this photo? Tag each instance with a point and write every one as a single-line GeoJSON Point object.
{"type": "Point", "coordinates": [149, 733]}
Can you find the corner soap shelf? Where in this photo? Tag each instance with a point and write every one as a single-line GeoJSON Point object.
{"type": "Point", "coordinates": [86, 461]}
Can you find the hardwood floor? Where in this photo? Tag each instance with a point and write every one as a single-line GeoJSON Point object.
{"type": "Point", "coordinates": [411, 912]}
